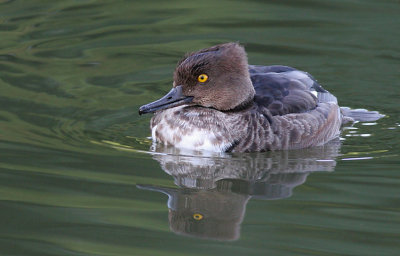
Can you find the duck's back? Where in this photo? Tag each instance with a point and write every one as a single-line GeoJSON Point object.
{"type": "Point", "coordinates": [299, 111]}
{"type": "Point", "coordinates": [284, 90]}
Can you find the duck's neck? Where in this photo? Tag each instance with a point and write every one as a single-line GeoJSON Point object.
{"type": "Point", "coordinates": [242, 106]}
{"type": "Point", "coordinates": [237, 97]}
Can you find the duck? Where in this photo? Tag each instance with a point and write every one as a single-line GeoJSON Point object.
{"type": "Point", "coordinates": [220, 103]}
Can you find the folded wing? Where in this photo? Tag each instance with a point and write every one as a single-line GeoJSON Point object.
{"type": "Point", "coordinates": [284, 90]}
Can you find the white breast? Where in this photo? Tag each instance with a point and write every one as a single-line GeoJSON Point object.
{"type": "Point", "coordinates": [193, 139]}
{"type": "Point", "coordinates": [190, 129]}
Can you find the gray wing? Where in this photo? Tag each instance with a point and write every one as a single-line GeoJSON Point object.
{"type": "Point", "coordinates": [284, 90]}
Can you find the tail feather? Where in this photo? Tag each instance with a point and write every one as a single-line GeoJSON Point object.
{"type": "Point", "coordinates": [360, 115]}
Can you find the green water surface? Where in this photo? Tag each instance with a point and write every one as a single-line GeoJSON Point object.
{"type": "Point", "coordinates": [76, 175]}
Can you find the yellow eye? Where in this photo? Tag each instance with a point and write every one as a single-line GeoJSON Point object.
{"type": "Point", "coordinates": [197, 216]}
{"type": "Point", "coordinates": [202, 78]}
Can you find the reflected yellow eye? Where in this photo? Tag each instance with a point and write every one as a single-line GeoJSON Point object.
{"type": "Point", "coordinates": [202, 78]}
{"type": "Point", "coordinates": [197, 216]}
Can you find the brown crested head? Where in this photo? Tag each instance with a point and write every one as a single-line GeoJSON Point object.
{"type": "Point", "coordinates": [216, 77]}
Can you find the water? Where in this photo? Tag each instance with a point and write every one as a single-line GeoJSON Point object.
{"type": "Point", "coordinates": [74, 178]}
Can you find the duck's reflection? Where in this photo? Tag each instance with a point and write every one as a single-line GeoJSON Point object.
{"type": "Point", "coordinates": [213, 190]}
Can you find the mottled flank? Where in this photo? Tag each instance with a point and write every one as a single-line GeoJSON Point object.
{"type": "Point", "coordinates": [247, 130]}
{"type": "Point", "coordinates": [244, 108]}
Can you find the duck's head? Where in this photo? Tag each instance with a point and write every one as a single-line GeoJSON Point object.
{"type": "Point", "coordinates": [216, 77]}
